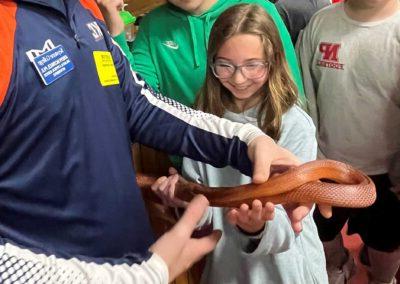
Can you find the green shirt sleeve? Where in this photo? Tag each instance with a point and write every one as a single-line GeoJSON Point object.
{"type": "Point", "coordinates": [142, 57]}
{"type": "Point", "coordinates": [139, 57]}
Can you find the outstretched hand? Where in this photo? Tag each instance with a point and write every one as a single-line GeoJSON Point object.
{"type": "Point", "coordinates": [176, 247]}
{"type": "Point", "coordinates": [251, 219]}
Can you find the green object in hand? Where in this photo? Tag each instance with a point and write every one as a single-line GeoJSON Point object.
{"type": "Point", "coordinates": [127, 17]}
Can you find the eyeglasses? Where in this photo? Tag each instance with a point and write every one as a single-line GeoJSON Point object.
{"type": "Point", "coordinates": [251, 70]}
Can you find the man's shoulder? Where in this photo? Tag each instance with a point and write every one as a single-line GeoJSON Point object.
{"type": "Point", "coordinates": [326, 18]}
{"type": "Point", "coordinates": [328, 11]}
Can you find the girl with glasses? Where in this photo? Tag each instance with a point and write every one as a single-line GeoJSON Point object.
{"type": "Point", "coordinates": [248, 81]}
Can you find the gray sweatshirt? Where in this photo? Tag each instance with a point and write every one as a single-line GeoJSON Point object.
{"type": "Point", "coordinates": [277, 255]}
{"type": "Point", "coordinates": [351, 73]}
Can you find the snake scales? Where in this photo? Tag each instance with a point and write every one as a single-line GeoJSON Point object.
{"type": "Point", "coordinates": [323, 181]}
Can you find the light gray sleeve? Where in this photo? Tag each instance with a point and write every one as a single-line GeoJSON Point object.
{"type": "Point", "coordinates": [277, 236]}
{"type": "Point", "coordinates": [305, 54]}
{"type": "Point", "coordinates": [298, 135]}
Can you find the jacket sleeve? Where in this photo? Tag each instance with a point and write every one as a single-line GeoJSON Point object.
{"type": "Point", "coordinates": [142, 58]}
{"type": "Point", "coordinates": [166, 125]}
{"type": "Point", "coordinates": [277, 236]}
{"type": "Point", "coordinates": [121, 41]}
{"type": "Point", "coordinates": [35, 266]}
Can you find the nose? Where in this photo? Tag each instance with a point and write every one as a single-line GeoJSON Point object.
{"type": "Point", "coordinates": [238, 76]}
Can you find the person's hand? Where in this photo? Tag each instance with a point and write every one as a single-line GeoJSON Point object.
{"type": "Point", "coordinates": [251, 219]}
{"type": "Point", "coordinates": [110, 10]}
{"type": "Point", "coordinates": [176, 247]}
{"type": "Point", "coordinates": [164, 187]}
{"type": "Point", "coordinates": [110, 4]}
{"type": "Point", "coordinates": [297, 212]}
{"type": "Point", "coordinates": [264, 153]}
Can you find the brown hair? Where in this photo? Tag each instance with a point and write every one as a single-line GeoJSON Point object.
{"type": "Point", "coordinates": [280, 91]}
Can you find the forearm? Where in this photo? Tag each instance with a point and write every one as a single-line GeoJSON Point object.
{"type": "Point", "coordinates": [39, 266]}
{"type": "Point", "coordinates": [143, 58]}
{"type": "Point", "coordinates": [113, 21]}
{"type": "Point", "coordinates": [168, 126]}
{"type": "Point", "coordinates": [164, 124]}
{"type": "Point", "coordinates": [277, 236]}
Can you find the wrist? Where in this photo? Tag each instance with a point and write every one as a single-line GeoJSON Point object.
{"type": "Point", "coordinates": [256, 233]}
{"type": "Point", "coordinates": [158, 264]}
{"type": "Point", "coordinates": [114, 23]}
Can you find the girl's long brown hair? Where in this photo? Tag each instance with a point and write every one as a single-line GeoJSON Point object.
{"type": "Point", "coordinates": [280, 91]}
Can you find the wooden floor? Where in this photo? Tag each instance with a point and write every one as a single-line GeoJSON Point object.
{"type": "Point", "coordinates": [354, 243]}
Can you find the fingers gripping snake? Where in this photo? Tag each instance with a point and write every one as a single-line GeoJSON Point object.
{"type": "Point", "coordinates": [323, 181]}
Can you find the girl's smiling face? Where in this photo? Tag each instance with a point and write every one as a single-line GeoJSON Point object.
{"type": "Point", "coordinates": [244, 50]}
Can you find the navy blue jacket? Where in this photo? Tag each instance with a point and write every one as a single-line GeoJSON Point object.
{"type": "Point", "coordinates": [67, 181]}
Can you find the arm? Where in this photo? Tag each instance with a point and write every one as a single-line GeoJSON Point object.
{"type": "Point", "coordinates": [298, 136]}
{"type": "Point", "coordinates": [172, 254]}
{"type": "Point", "coordinates": [110, 10]}
{"type": "Point", "coordinates": [142, 56]}
{"type": "Point", "coordinates": [164, 187]}
{"type": "Point", "coordinates": [166, 125]}
{"type": "Point", "coordinates": [305, 54]}
{"type": "Point", "coordinates": [276, 235]}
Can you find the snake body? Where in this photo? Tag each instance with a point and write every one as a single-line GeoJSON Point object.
{"type": "Point", "coordinates": [323, 181]}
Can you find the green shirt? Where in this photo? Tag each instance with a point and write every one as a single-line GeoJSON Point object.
{"type": "Point", "coordinates": [170, 50]}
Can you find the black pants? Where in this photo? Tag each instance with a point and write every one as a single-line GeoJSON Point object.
{"type": "Point", "coordinates": [378, 225]}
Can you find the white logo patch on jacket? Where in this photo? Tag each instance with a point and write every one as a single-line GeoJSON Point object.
{"type": "Point", "coordinates": [95, 30]}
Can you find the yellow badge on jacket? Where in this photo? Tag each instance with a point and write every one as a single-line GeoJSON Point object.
{"type": "Point", "coordinates": [105, 68]}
